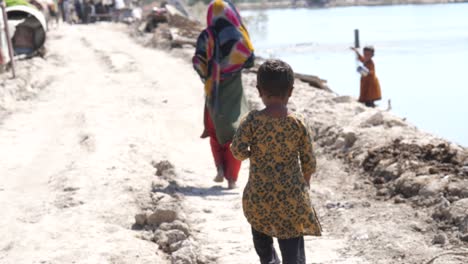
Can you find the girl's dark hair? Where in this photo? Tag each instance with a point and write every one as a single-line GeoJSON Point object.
{"type": "Point", "coordinates": [370, 48]}
{"type": "Point", "coordinates": [275, 78]}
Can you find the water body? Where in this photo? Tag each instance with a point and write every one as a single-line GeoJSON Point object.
{"type": "Point", "coordinates": [421, 55]}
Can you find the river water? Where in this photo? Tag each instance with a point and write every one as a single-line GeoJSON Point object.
{"type": "Point", "coordinates": [421, 55]}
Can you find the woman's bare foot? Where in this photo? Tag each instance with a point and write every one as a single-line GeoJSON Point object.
{"type": "Point", "coordinates": [232, 185]}
{"type": "Point", "coordinates": [220, 176]}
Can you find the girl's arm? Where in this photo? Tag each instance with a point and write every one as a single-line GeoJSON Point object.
{"type": "Point", "coordinates": [306, 154]}
{"type": "Point", "coordinates": [240, 146]}
{"type": "Point", "coordinates": [358, 54]}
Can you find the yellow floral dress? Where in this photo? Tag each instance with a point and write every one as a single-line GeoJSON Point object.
{"type": "Point", "coordinates": [276, 199]}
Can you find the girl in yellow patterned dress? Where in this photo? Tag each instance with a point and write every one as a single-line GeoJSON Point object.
{"type": "Point", "coordinates": [278, 143]}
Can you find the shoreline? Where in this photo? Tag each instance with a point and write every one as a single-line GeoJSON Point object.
{"type": "Point", "coordinates": [342, 3]}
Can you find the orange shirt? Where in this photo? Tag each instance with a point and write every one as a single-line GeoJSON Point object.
{"type": "Point", "coordinates": [370, 86]}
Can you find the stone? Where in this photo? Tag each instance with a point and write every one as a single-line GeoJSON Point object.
{"type": "Point", "coordinates": [140, 219]}
{"type": "Point", "coordinates": [162, 240]}
{"type": "Point", "coordinates": [339, 143]}
{"type": "Point", "coordinates": [343, 99]}
{"type": "Point", "coordinates": [359, 109]}
{"type": "Point", "coordinates": [409, 185]}
{"type": "Point", "coordinates": [357, 186]}
{"type": "Point", "coordinates": [379, 180]}
{"type": "Point", "coordinates": [166, 238]}
{"type": "Point", "coordinates": [160, 197]}
{"type": "Point", "coordinates": [440, 239]}
{"type": "Point", "coordinates": [162, 216]}
{"type": "Point", "coordinates": [433, 170]}
{"type": "Point", "coordinates": [331, 205]}
{"type": "Point", "coordinates": [176, 246]}
{"type": "Point", "coordinates": [162, 37]}
{"type": "Point", "coordinates": [442, 210]}
{"type": "Point", "coordinates": [176, 225]}
{"type": "Point", "coordinates": [463, 237]}
{"type": "Point", "coordinates": [158, 185]}
{"type": "Point", "coordinates": [383, 192]}
{"type": "Point", "coordinates": [459, 211]}
{"type": "Point", "coordinates": [163, 167]}
{"type": "Point", "coordinates": [366, 204]}
{"type": "Point", "coordinates": [458, 188]}
{"type": "Point", "coordinates": [147, 235]}
{"type": "Point", "coordinates": [388, 173]}
{"type": "Point", "coordinates": [399, 200]}
{"type": "Point", "coordinates": [417, 228]}
{"type": "Point", "coordinates": [174, 236]}
{"type": "Point", "coordinates": [339, 205]}
{"type": "Point", "coordinates": [375, 120]}
{"type": "Point", "coordinates": [433, 188]}
{"type": "Point", "coordinates": [395, 123]}
{"type": "Point", "coordinates": [350, 139]}
{"type": "Point", "coordinates": [185, 255]}
{"type": "Point", "coordinates": [463, 226]}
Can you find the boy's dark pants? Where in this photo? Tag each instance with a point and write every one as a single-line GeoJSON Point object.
{"type": "Point", "coordinates": [292, 250]}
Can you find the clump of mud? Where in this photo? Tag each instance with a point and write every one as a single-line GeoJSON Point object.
{"type": "Point", "coordinates": [429, 176]}
{"type": "Point", "coordinates": [413, 157]}
{"type": "Point", "coordinates": [163, 221]}
{"type": "Point", "coordinates": [426, 172]}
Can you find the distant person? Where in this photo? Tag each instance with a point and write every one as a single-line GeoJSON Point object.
{"type": "Point", "coordinates": [61, 4]}
{"type": "Point", "coordinates": [53, 13]}
{"type": "Point", "coordinates": [370, 86]}
{"type": "Point", "coordinates": [78, 5]}
{"type": "Point", "coordinates": [223, 50]}
{"type": "Point", "coordinates": [119, 6]}
{"type": "Point", "coordinates": [278, 143]}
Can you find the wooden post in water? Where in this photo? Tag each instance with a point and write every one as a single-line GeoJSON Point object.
{"type": "Point", "coordinates": [356, 39]}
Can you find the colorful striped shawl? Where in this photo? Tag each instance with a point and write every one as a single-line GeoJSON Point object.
{"type": "Point", "coordinates": [223, 48]}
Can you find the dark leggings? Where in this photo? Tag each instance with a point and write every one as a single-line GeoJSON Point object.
{"type": "Point", "coordinates": [370, 104]}
{"type": "Point", "coordinates": [292, 250]}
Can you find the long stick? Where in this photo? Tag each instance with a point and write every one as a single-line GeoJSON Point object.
{"type": "Point", "coordinates": [356, 39]}
{"type": "Point", "coordinates": [7, 33]}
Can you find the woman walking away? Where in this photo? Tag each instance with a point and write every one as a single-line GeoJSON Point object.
{"type": "Point", "coordinates": [278, 143]}
{"type": "Point", "coordinates": [223, 50]}
{"type": "Point", "coordinates": [370, 86]}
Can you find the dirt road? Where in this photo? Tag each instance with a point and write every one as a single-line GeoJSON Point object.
{"type": "Point", "coordinates": [75, 162]}
{"type": "Point", "coordinates": [75, 168]}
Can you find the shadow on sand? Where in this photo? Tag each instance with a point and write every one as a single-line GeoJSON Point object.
{"type": "Point", "coordinates": [174, 188]}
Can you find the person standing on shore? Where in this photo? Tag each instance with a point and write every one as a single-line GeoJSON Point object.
{"type": "Point", "coordinates": [370, 86]}
{"type": "Point", "coordinates": [276, 200]}
{"type": "Point", "coordinates": [223, 50]}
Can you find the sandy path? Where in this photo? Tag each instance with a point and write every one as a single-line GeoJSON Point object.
{"type": "Point", "coordinates": [75, 168]}
{"type": "Point", "coordinates": [75, 163]}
